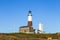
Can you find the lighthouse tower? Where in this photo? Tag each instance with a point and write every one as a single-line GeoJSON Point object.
{"type": "Point", "coordinates": [29, 27]}
{"type": "Point", "coordinates": [29, 19]}
{"type": "Point", "coordinates": [30, 22]}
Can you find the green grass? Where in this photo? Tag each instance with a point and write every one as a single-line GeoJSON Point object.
{"type": "Point", "coordinates": [24, 36]}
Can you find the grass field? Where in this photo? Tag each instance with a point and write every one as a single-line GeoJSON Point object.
{"type": "Point", "coordinates": [24, 36]}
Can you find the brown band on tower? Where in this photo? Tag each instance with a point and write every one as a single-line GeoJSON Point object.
{"type": "Point", "coordinates": [29, 23]}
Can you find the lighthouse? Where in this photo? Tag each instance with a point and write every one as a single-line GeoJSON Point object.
{"type": "Point", "coordinates": [29, 19]}
{"type": "Point", "coordinates": [29, 27]}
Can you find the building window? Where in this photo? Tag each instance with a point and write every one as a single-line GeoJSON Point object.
{"type": "Point", "coordinates": [24, 30]}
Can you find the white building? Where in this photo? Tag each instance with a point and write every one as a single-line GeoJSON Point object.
{"type": "Point", "coordinates": [40, 28]}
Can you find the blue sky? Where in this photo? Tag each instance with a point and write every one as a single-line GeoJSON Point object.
{"type": "Point", "coordinates": [13, 14]}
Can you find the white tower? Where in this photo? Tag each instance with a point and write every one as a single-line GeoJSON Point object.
{"type": "Point", "coordinates": [29, 19]}
{"type": "Point", "coordinates": [40, 28]}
